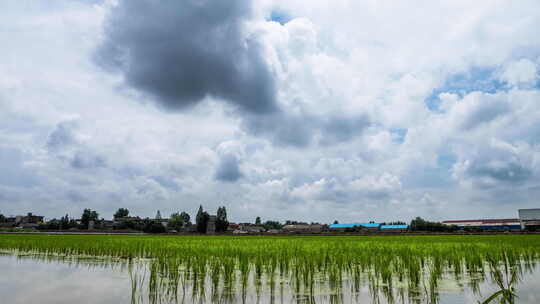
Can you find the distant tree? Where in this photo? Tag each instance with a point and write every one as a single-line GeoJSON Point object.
{"type": "Point", "coordinates": [201, 220]}
{"type": "Point", "coordinates": [176, 222]}
{"type": "Point", "coordinates": [351, 229]}
{"type": "Point", "coordinates": [158, 215]}
{"type": "Point", "coordinates": [186, 219]}
{"type": "Point", "coordinates": [153, 226]}
{"type": "Point", "coordinates": [289, 222]}
{"type": "Point", "coordinates": [532, 228]}
{"type": "Point", "coordinates": [72, 223]}
{"type": "Point", "coordinates": [258, 220]}
{"type": "Point", "coordinates": [395, 223]}
{"type": "Point", "coordinates": [52, 224]}
{"type": "Point", "coordinates": [336, 222]}
{"type": "Point", "coordinates": [122, 212]}
{"type": "Point", "coordinates": [272, 225]}
{"type": "Point", "coordinates": [473, 229]}
{"type": "Point", "coordinates": [2, 218]}
{"type": "Point", "coordinates": [64, 222]}
{"type": "Point", "coordinates": [221, 220]}
{"type": "Point", "coordinates": [87, 216]}
{"type": "Point", "coordinates": [419, 224]}
{"type": "Point", "coordinates": [132, 224]}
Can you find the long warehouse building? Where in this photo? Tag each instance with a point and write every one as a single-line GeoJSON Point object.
{"type": "Point", "coordinates": [488, 224]}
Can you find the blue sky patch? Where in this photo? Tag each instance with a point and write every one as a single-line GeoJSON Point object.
{"type": "Point", "coordinates": [280, 16]}
{"type": "Point", "coordinates": [446, 161]}
{"type": "Point", "coordinates": [398, 135]}
{"type": "Point", "coordinates": [477, 79]}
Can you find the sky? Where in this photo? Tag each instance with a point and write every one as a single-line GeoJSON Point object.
{"type": "Point", "coordinates": [316, 111]}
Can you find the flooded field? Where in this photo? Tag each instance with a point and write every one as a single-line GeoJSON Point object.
{"type": "Point", "coordinates": [150, 269]}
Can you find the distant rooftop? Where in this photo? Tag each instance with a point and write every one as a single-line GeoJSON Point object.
{"type": "Point", "coordinates": [394, 227]}
{"type": "Point", "coordinates": [483, 221]}
{"type": "Point", "coordinates": [366, 225]}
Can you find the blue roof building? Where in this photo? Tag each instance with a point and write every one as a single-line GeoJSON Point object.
{"type": "Point", "coordinates": [385, 227]}
{"type": "Point", "coordinates": [370, 225]}
{"type": "Point", "coordinates": [345, 226]}
{"type": "Point", "coordinates": [338, 226]}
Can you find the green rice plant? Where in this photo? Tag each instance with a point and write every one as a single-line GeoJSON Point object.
{"type": "Point", "coordinates": [220, 268]}
{"type": "Point", "coordinates": [505, 274]}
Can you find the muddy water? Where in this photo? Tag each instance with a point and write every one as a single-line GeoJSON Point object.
{"type": "Point", "coordinates": [28, 280]}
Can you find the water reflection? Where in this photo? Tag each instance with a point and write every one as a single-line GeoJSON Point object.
{"type": "Point", "coordinates": [24, 281]}
{"type": "Point", "coordinates": [46, 279]}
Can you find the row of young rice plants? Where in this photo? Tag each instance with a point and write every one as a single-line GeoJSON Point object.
{"type": "Point", "coordinates": [396, 268]}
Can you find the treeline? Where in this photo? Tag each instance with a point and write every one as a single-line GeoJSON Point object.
{"type": "Point", "coordinates": [275, 225]}
{"type": "Point", "coordinates": [202, 218]}
{"type": "Point", "coordinates": [66, 223]}
{"type": "Point", "coordinates": [177, 222]}
{"type": "Point", "coordinates": [181, 222]}
{"type": "Point", "coordinates": [419, 224]}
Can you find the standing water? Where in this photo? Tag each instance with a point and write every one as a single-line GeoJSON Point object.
{"type": "Point", "coordinates": [31, 278]}
{"type": "Point", "coordinates": [284, 269]}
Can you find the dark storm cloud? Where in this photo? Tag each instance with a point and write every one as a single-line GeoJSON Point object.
{"type": "Point", "coordinates": [179, 52]}
{"type": "Point", "coordinates": [228, 169]}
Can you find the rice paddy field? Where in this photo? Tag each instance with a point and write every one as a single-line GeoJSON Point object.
{"type": "Point", "coordinates": [296, 269]}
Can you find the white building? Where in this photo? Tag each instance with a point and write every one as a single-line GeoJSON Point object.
{"type": "Point", "coordinates": [529, 218]}
{"type": "Point", "coordinates": [488, 224]}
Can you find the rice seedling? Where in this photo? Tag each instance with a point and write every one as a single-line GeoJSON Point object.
{"type": "Point", "coordinates": [219, 269]}
{"type": "Point", "coordinates": [505, 273]}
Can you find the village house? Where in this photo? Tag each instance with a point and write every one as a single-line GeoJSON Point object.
{"type": "Point", "coordinates": [106, 224]}
{"type": "Point", "coordinates": [211, 224]}
{"type": "Point", "coordinates": [371, 226]}
{"type": "Point", "coordinates": [125, 222]}
{"type": "Point", "coordinates": [232, 227]}
{"type": "Point", "coordinates": [394, 228]}
{"type": "Point", "coordinates": [251, 228]}
{"type": "Point", "coordinates": [316, 228]}
{"type": "Point", "coordinates": [8, 223]}
{"type": "Point", "coordinates": [28, 221]}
